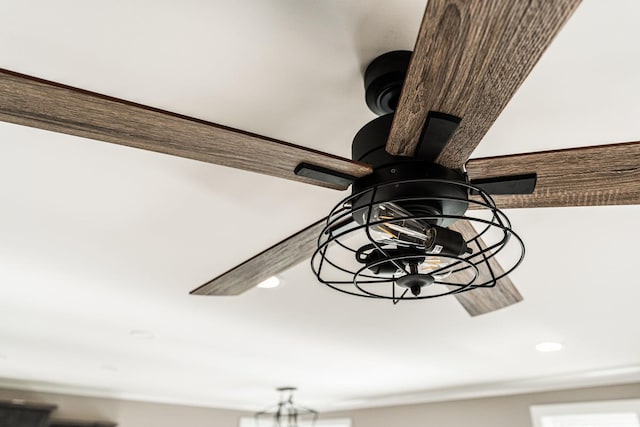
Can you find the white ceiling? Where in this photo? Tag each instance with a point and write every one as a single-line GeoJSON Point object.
{"type": "Point", "coordinates": [97, 240]}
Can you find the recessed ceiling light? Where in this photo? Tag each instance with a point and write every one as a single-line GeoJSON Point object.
{"type": "Point", "coordinates": [141, 334]}
{"type": "Point", "coordinates": [271, 282]}
{"type": "Point", "coordinates": [548, 346]}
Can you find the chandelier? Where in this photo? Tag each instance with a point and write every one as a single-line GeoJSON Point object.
{"type": "Point", "coordinates": [285, 413]}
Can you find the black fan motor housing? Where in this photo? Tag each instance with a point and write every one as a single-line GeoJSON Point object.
{"type": "Point", "coordinates": [433, 199]}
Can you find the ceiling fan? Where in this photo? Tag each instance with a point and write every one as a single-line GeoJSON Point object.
{"type": "Point", "coordinates": [435, 106]}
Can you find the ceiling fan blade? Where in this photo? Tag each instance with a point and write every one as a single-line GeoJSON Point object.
{"type": "Point", "coordinates": [484, 300]}
{"type": "Point", "coordinates": [586, 176]}
{"type": "Point", "coordinates": [276, 259]}
{"type": "Point", "coordinates": [29, 101]}
{"type": "Point", "coordinates": [469, 60]}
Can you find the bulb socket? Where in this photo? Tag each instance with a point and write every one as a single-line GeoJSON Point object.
{"type": "Point", "coordinates": [445, 241]}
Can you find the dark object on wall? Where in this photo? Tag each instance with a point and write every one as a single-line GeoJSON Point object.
{"type": "Point", "coordinates": [68, 423]}
{"type": "Point", "coordinates": [17, 413]}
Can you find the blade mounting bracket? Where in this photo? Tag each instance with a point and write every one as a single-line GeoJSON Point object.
{"type": "Point", "coordinates": [320, 173]}
{"type": "Point", "coordinates": [438, 130]}
{"type": "Point", "coordinates": [512, 184]}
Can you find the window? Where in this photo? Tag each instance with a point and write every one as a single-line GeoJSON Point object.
{"type": "Point", "coordinates": [612, 413]}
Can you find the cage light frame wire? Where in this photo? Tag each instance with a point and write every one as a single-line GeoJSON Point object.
{"type": "Point", "coordinates": [359, 281]}
{"type": "Point", "coordinates": [285, 413]}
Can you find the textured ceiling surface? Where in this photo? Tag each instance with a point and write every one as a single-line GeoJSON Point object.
{"type": "Point", "coordinates": [97, 240]}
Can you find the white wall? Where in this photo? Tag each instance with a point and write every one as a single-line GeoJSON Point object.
{"type": "Point", "coordinates": [129, 413]}
{"type": "Point", "coordinates": [507, 411]}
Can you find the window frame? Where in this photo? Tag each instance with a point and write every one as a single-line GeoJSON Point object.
{"type": "Point", "coordinates": [583, 408]}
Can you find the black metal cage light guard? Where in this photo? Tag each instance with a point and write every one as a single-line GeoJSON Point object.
{"type": "Point", "coordinates": [285, 413]}
{"type": "Point", "coordinates": [349, 259]}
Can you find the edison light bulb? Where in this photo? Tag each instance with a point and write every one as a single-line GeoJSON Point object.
{"type": "Point", "coordinates": [398, 229]}
{"type": "Point", "coordinates": [435, 263]}
{"type": "Point", "coordinates": [394, 226]}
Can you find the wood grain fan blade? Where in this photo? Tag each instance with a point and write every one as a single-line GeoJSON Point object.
{"type": "Point", "coordinates": [484, 300]}
{"type": "Point", "coordinates": [587, 176]}
{"type": "Point", "coordinates": [51, 106]}
{"type": "Point", "coordinates": [272, 261]}
{"type": "Point", "coordinates": [469, 59]}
